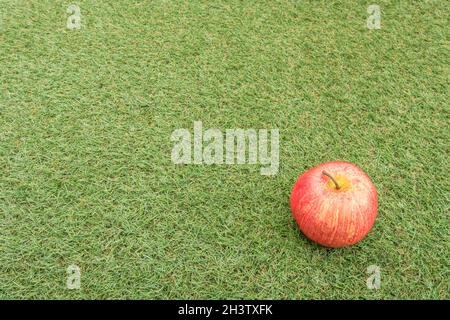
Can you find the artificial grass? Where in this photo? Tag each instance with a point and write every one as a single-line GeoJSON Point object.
{"type": "Point", "coordinates": [86, 175]}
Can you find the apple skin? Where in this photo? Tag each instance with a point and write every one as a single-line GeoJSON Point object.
{"type": "Point", "coordinates": [334, 217]}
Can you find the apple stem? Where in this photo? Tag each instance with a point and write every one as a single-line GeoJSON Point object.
{"type": "Point", "coordinates": [329, 176]}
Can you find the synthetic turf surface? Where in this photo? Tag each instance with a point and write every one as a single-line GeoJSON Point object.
{"type": "Point", "coordinates": [86, 176]}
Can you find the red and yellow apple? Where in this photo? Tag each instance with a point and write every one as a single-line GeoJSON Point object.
{"type": "Point", "coordinates": [334, 204]}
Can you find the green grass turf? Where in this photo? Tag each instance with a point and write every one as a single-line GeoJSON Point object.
{"type": "Point", "coordinates": [85, 123]}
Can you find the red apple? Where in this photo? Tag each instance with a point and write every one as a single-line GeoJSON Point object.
{"type": "Point", "coordinates": [335, 204]}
